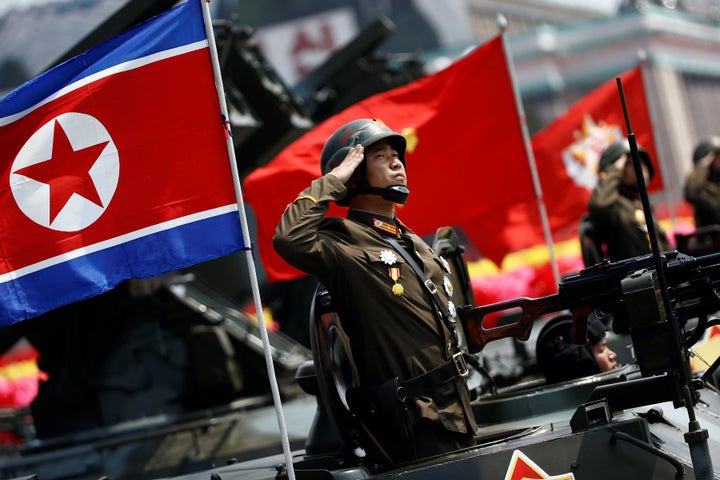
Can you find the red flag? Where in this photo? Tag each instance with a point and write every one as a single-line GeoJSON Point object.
{"type": "Point", "coordinates": [567, 151]}
{"type": "Point", "coordinates": [466, 158]}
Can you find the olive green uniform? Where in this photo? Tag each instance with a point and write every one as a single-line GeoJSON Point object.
{"type": "Point", "coordinates": [391, 334]}
{"type": "Point", "coordinates": [619, 220]}
{"type": "Point", "coordinates": [704, 195]}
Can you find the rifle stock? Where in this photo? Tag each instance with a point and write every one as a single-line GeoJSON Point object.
{"type": "Point", "coordinates": [479, 332]}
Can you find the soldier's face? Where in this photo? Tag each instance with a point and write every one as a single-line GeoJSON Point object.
{"type": "Point", "coordinates": [383, 165]}
{"type": "Point", "coordinates": [605, 358]}
{"type": "Point", "coordinates": [715, 165]}
{"type": "Point", "coordinates": [629, 177]}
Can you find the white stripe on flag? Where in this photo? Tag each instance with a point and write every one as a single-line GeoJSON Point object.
{"type": "Point", "coordinates": [113, 242]}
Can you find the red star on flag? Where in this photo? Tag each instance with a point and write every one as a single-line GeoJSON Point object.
{"type": "Point", "coordinates": [67, 172]}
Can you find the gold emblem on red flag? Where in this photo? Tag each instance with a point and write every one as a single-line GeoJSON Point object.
{"type": "Point", "coordinates": [581, 158]}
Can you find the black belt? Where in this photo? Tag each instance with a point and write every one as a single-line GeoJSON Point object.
{"type": "Point", "coordinates": [451, 369]}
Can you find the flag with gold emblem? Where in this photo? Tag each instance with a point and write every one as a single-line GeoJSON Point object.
{"type": "Point", "coordinates": [568, 150]}
{"type": "Point", "coordinates": [467, 160]}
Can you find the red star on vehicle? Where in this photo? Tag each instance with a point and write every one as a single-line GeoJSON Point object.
{"type": "Point", "coordinates": [715, 330]}
{"type": "Point", "coordinates": [67, 172]}
{"type": "Point", "coordinates": [523, 468]}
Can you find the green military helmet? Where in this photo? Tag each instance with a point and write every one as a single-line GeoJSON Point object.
{"type": "Point", "coordinates": [614, 151]}
{"type": "Point", "coordinates": [365, 131]}
{"type": "Point", "coordinates": [705, 146]}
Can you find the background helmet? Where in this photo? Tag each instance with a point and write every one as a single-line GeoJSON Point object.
{"type": "Point", "coordinates": [558, 358]}
{"type": "Point", "coordinates": [614, 151]}
{"type": "Point", "coordinates": [365, 131]}
{"type": "Point", "coordinates": [705, 146]}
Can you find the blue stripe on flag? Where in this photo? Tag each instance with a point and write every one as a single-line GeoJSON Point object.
{"type": "Point", "coordinates": [95, 273]}
{"type": "Point", "coordinates": [179, 26]}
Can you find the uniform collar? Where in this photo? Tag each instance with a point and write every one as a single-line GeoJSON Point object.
{"type": "Point", "coordinates": [381, 223]}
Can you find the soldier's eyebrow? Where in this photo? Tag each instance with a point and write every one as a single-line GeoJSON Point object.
{"type": "Point", "coordinates": [376, 147]}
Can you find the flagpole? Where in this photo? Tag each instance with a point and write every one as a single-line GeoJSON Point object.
{"type": "Point", "coordinates": [503, 24]}
{"type": "Point", "coordinates": [668, 180]}
{"type": "Point", "coordinates": [210, 34]}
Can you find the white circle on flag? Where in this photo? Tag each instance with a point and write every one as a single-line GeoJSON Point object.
{"type": "Point", "coordinates": [33, 197]}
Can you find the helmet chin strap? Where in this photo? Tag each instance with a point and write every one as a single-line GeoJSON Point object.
{"type": "Point", "coordinates": [394, 193]}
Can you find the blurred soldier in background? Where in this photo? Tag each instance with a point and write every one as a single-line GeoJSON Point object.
{"type": "Point", "coordinates": [702, 187]}
{"type": "Point", "coordinates": [615, 206]}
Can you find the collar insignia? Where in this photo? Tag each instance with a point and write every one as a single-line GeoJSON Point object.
{"type": "Point", "coordinates": [384, 226]}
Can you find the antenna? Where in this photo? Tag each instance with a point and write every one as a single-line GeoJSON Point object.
{"type": "Point", "coordinates": [696, 437]}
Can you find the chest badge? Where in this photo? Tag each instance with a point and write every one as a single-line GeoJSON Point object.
{"type": "Point", "coordinates": [640, 219]}
{"type": "Point", "coordinates": [394, 273]}
{"type": "Point", "coordinates": [447, 284]}
{"type": "Point", "coordinates": [388, 257]}
{"type": "Point", "coordinates": [445, 264]}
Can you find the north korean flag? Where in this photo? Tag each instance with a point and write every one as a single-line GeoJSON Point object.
{"type": "Point", "coordinates": [114, 165]}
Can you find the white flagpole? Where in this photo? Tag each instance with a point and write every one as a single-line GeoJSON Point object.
{"type": "Point", "coordinates": [247, 241]}
{"type": "Point", "coordinates": [502, 24]}
{"type": "Point", "coordinates": [669, 181]}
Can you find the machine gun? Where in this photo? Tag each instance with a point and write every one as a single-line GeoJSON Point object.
{"type": "Point", "coordinates": [629, 291]}
{"type": "Point", "coordinates": [652, 297]}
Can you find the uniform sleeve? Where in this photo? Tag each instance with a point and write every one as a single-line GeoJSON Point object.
{"type": "Point", "coordinates": [296, 238]}
{"type": "Point", "coordinates": [605, 195]}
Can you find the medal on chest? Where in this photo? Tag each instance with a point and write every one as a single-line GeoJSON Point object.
{"type": "Point", "coordinates": [394, 273]}
{"type": "Point", "coordinates": [388, 257]}
{"type": "Point", "coordinates": [445, 264]}
{"type": "Point", "coordinates": [639, 216]}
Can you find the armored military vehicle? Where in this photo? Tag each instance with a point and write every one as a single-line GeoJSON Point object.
{"type": "Point", "coordinates": [650, 418]}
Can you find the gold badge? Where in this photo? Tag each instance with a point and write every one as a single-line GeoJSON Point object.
{"type": "Point", "coordinates": [394, 273]}
{"type": "Point", "coordinates": [640, 219]}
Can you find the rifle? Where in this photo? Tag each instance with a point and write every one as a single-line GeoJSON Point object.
{"type": "Point", "coordinates": [627, 289]}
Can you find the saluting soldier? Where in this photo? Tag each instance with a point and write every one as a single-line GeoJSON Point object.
{"type": "Point", "coordinates": [702, 187]}
{"type": "Point", "coordinates": [615, 206]}
{"type": "Point", "coordinates": [392, 292]}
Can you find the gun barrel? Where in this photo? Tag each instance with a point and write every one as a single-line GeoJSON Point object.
{"type": "Point", "coordinates": [683, 262]}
